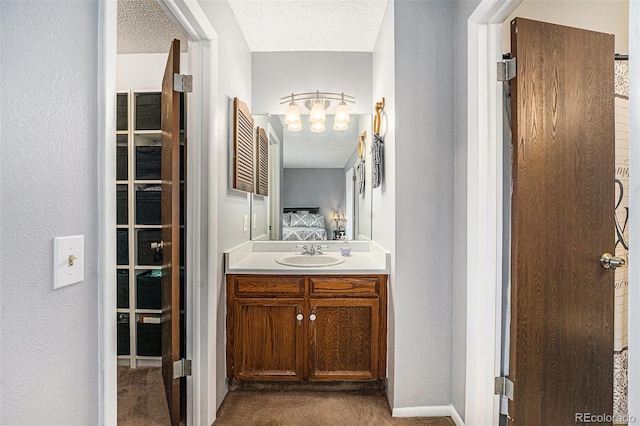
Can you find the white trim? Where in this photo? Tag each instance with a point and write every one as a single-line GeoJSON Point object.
{"type": "Point", "coordinates": [275, 191]}
{"type": "Point", "coordinates": [189, 15]}
{"type": "Point", "coordinates": [210, 298]}
{"type": "Point", "coordinates": [484, 210]}
{"type": "Point", "coordinates": [634, 214]}
{"type": "Point", "coordinates": [429, 411]}
{"type": "Point", "coordinates": [106, 169]}
{"type": "Point", "coordinates": [456, 417]}
{"type": "Point", "coordinates": [425, 411]}
{"type": "Point", "coordinates": [194, 212]}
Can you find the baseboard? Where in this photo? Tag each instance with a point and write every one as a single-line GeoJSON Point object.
{"type": "Point", "coordinates": [456, 417]}
{"type": "Point", "coordinates": [363, 387]}
{"type": "Point", "coordinates": [433, 411]}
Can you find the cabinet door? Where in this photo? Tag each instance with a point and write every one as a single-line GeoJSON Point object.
{"type": "Point", "coordinates": [268, 339]}
{"type": "Point", "coordinates": [344, 339]}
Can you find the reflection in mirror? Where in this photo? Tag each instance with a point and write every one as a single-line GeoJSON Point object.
{"type": "Point", "coordinates": [313, 180]}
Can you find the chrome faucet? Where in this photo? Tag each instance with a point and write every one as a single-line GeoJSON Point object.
{"type": "Point", "coordinates": [312, 250]}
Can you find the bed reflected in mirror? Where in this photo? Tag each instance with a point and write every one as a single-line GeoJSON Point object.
{"type": "Point", "coordinates": [314, 178]}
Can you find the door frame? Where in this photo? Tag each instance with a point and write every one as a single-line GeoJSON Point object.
{"type": "Point", "coordinates": [484, 210]}
{"type": "Point", "coordinates": [275, 188]}
{"type": "Point", "coordinates": [201, 322]}
{"type": "Point", "coordinates": [634, 214]}
{"type": "Point", "coordinates": [350, 204]}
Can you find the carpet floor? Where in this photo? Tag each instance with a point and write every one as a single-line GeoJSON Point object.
{"type": "Point", "coordinates": [273, 408]}
{"type": "Point", "coordinates": [141, 397]}
{"type": "Point", "coordinates": [141, 402]}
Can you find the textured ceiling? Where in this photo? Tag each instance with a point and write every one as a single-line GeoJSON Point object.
{"type": "Point", "coordinates": [309, 25]}
{"type": "Point", "coordinates": [143, 27]}
{"type": "Point", "coordinates": [267, 25]}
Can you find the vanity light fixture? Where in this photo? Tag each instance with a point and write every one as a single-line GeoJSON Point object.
{"type": "Point", "coordinates": [296, 126]}
{"type": "Point", "coordinates": [317, 102]}
{"type": "Point", "coordinates": [317, 127]}
{"type": "Point", "coordinates": [342, 117]}
{"type": "Point", "coordinates": [317, 112]}
{"type": "Point", "coordinates": [293, 114]}
{"type": "Point", "coordinates": [340, 125]}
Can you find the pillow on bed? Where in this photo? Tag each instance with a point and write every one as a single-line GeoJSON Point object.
{"type": "Point", "coordinates": [307, 220]}
{"type": "Point", "coordinates": [286, 219]}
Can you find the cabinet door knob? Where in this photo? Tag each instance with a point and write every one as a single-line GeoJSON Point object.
{"type": "Point", "coordinates": [299, 317]}
{"type": "Point", "coordinates": [312, 317]}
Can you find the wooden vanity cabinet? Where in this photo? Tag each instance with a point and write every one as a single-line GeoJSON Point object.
{"type": "Point", "coordinates": [293, 327]}
{"type": "Point", "coordinates": [264, 334]}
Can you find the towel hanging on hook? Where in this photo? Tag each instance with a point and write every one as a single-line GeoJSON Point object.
{"type": "Point", "coordinates": [377, 148]}
{"type": "Point", "coordinates": [361, 165]}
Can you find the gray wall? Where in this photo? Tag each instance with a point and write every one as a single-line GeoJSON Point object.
{"type": "Point", "coordinates": [424, 202]}
{"type": "Point", "coordinates": [48, 187]}
{"type": "Point", "coordinates": [324, 188]}
{"type": "Point", "coordinates": [413, 209]}
{"type": "Point", "coordinates": [464, 9]}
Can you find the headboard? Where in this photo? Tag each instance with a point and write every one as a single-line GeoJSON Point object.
{"type": "Point", "coordinates": [312, 210]}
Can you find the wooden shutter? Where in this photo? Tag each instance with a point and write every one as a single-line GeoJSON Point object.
{"type": "Point", "coordinates": [242, 146]}
{"type": "Point", "coordinates": [262, 163]}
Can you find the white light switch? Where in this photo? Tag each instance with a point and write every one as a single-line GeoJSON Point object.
{"type": "Point", "coordinates": [245, 223]}
{"type": "Point", "coordinates": [255, 220]}
{"type": "Point", "coordinates": [68, 260]}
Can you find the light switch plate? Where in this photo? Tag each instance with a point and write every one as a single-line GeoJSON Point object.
{"type": "Point", "coordinates": [255, 220]}
{"type": "Point", "coordinates": [68, 260]}
{"type": "Point", "coordinates": [245, 223]}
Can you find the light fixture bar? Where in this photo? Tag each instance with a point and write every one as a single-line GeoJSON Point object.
{"type": "Point", "coordinates": [316, 102]}
{"type": "Point", "coordinates": [317, 95]}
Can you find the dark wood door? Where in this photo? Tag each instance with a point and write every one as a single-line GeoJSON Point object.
{"type": "Point", "coordinates": [344, 339]}
{"type": "Point", "coordinates": [268, 339]}
{"type": "Point", "coordinates": [561, 355]}
{"type": "Point", "coordinates": [170, 174]}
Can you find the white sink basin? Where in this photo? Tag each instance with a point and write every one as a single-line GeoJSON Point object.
{"type": "Point", "coordinates": [310, 260]}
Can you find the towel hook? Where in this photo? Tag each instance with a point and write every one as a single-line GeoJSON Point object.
{"type": "Point", "coordinates": [363, 137]}
{"type": "Point", "coordinates": [376, 120]}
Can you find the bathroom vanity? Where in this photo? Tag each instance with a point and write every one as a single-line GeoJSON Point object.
{"type": "Point", "coordinates": [292, 323]}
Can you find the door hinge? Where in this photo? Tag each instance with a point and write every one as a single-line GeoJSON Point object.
{"type": "Point", "coordinates": [507, 69]}
{"type": "Point", "coordinates": [182, 83]}
{"type": "Point", "coordinates": [504, 387]}
{"type": "Point", "coordinates": [181, 368]}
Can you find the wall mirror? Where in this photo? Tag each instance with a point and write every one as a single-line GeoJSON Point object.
{"type": "Point", "coordinates": [313, 190]}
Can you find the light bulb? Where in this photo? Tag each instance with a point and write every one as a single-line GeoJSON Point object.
{"type": "Point", "coordinates": [342, 113]}
{"type": "Point", "coordinates": [317, 112]}
{"type": "Point", "coordinates": [292, 115]}
{"type": "Point", "coordinates": [295, 126]}
{"type": "Point", "coordinates": [317, 127]}
{"type": "Point", "coordinates": [340, 125]}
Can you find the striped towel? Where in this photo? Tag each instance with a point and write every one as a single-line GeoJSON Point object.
{"type": "Point", "coordinates": [377, 158]}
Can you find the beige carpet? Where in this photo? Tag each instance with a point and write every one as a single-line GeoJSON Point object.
{"type": "Point", "coordinates": [141, 402]}
{"type": "Point", "coordinates": [141, 397]}
{"type": "Point", "coordinates": [272, 408]}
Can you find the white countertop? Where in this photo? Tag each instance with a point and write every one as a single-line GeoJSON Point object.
{"type": "Point", "coordinates": [259, 257]}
